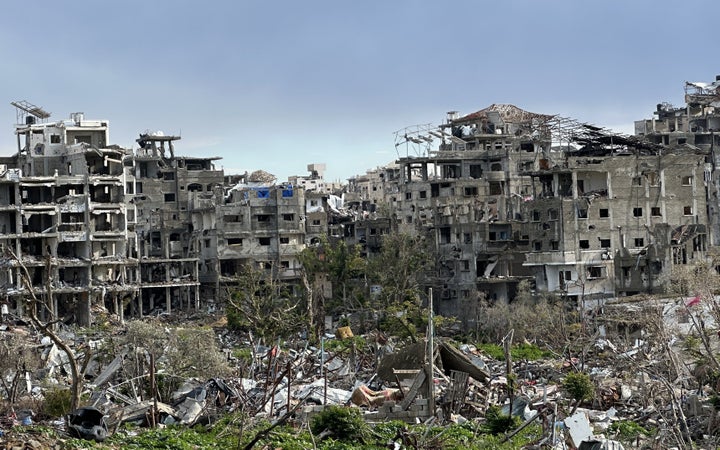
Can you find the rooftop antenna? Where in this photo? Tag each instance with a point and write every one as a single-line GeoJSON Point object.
{"type": "Point", "coordinates": [26, 113]}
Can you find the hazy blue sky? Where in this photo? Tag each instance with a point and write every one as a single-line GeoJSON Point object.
{"type": "Point", "coordinates": [275, 85]}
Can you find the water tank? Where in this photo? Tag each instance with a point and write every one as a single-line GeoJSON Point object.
{"type": "Point", "coordinates": [30, 120]}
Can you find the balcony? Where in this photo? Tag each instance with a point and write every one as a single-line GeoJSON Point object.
{"type": "Point", "coordinates": [549, 258]}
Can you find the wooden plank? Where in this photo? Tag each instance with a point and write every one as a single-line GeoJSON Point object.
{"type": "Point", "coordinates": [414, 388]}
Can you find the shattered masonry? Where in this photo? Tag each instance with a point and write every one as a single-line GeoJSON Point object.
{"type": "Point", "coordinates": [577, 210]}
{"type": "Point", "coordinates": [504, 194]}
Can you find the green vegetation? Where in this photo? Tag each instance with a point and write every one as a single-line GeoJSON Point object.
{"type": "Point", "coordinates": [342, 423]}
{"type": "Point", "coordinates": [526, 352]}
{"type": "Point", "coordinates": [348, 432]}
{"type": "Point", "coordinates": [342, 345]}
{"type": "Point", "coordinates": [579, 386]}
{"type": "Point", "coordinates": [176, 438]}
{"type": "Point", "coordinates": [57, 402]}
{"type": "Point", "coordinates": [627, 430]}
{"type": "Point", "coordinates": [264, 305]}
{"type": "Point", "coordinates": [244, 354]}
{"type": "Point", "coordinates": [497, 422]}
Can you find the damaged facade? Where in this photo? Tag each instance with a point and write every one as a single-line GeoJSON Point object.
{"type": "Point", "coordinates": [169, 192]}
{"type": "Point", "coordinates": [136, 231]}
{"type": "Point", "coordinates": [259, 224]}
{"type": "Point", "coordinates": [504, 195]}
{"type": "Point", "coordinates": [64, 217]}
{"type": "Point", "coordinates": [575, 209]}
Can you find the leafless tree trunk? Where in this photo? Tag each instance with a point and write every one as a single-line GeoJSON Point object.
{"type": "Point", "coordinates": [46, 328]}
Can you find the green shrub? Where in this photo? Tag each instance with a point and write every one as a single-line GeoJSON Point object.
{"type": "Point", "coordinates": [497, 422]}
{"type": "Point", "coordinates": [244, 354]}
{"type": "Point", "coordinates": [579, 386]}
{"type": "Point", "coordinates": [340, 345]}
{"type": "Point", "coordinates": [492, 350]}
{"type": "Point", "coordinates": [344, 423]}
{"type": "Point", "coordinates": [57, 402]}
{"type": "Point", "coordinates": [529, 352]}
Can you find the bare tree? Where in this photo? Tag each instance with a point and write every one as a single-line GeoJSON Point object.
{"type": "Point", "coordinates": [17, 358]}
{"type": "Point", "coordinates": [47, 328]}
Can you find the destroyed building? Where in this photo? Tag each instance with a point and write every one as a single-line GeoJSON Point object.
{"type": "Point", "coordinates": [577, 210]}
{"type": "Point", "coordinates": [315, 181]}
{"type": "Point", "coordinates": [467, 197]}
{"type": "Point", "coordinates": [504, 195]}
{"type": "Point", "coordinates": [610, 219]}
{"type": "Point", "coordinates": [64, 217]}
{"type": "Point", "coordinates": [139, 231]}
{"type": "Point", "coordinates": [261, 225]}
{"type": "Point", "coordinates": [170, 195]}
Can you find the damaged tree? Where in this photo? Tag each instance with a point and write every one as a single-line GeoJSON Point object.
{"type": "Point", "coordinates": [47, 328]}
{"type": "Point", "coordinates": [399, 270]}
{"type": "Point", "coordinates": [16, 358]}
{"type": "Point", "coordinates": [340, 263]}
{"type": "Point", "coordinates": [264, 305]}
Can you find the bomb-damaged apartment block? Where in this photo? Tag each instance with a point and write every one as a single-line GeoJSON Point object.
{"type": "Point", "coordinates": [64, 217]}
{"type": "Point", "coordinates": [261, 226]}
{"type": "Point", "coordinates": [502, 195]}
{"type": "Point", "coordinates": [136, 231]}
{"type": "Point", "coordinates": [578, 210]}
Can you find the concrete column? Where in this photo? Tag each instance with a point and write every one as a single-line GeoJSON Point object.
{"type": "Point", "coordinates": [83, 309]}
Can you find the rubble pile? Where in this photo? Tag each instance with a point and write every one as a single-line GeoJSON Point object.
{"type": "Point", "coordinates": [633, 381]}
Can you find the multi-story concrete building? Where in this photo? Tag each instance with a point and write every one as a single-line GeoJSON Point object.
{"type": "Point", "coordinates": [467, 197]}
{"type": "Point", "coordinates": [695, 125]}
{"type": "Point", "coordinates": [263, 225]}
{"type": "Point", "coordinates": [167, 191]}
{"type": "Point", "coordinates": [580, 211]}
{"type": "Point", "coordinates": [64, 218]}
{"type": "Point", "coordinates": [315, 181]}
{"type": "Point", "coordinates": [609, 220]}
{"type": "Point", "coordinates": [505, 196]}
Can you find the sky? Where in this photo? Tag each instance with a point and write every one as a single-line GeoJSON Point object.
{"type": "Point", "coordinates": [278, 85]}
